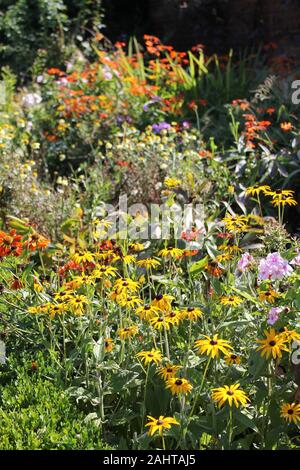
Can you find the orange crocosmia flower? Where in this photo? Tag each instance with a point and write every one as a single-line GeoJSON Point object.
{"type": "Point", "coordinates": [286, 126]}
{"type": "Point", "coordinates": [270, 110]}
{"type": "Point", "coordinates": [261, 125]}
{"type": "Point", "coordinates": [249, 117]}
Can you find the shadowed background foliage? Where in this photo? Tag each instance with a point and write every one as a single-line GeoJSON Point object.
{"type": "Point", "coordinates": [42, 30]}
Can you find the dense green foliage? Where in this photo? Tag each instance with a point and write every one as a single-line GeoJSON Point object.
{"type": "Point", "coordinates": [35, 32]}
{"type": "Point", "coordinates": [36, 413]}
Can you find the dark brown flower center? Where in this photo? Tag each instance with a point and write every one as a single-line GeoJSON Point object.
{"type": "Point", "coordinates": [159, 297]}
{"type": "Point", "coordinates": [213, 342]}
{"type": "Point", "coordinates": [290, 412]}
{"type": "Point", "coordinates": [230, 393]}
{"type": "Point", "coordinates": [272, 343]}
{"type": "Point", "coordinates": [178, 382]}
{"type": "Point", "coordinates": [159, 422]}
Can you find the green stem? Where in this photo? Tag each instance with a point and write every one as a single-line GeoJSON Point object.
{"type": "Point", "coordinates": [200, 389]}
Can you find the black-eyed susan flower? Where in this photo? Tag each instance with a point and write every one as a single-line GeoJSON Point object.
{"type": "Point", "coordinates": [128, 259]}
{"type": "Point", "coordinates": [158, 425]}
{"type": "Point", "coordinates": [63, 295]}
{"type": "Point", "coordinates": [56, 309]}
{"type": "Point", "coordinates": [213, 346]}
{"type": "Point", "coordinates": [145, 312]}
{"type": "Point", "coordinates": [105, 256]}
{"type": "Point", "coordinates": [230, 249]}
{"type": "Point", "coordinates": [229, 394]}
{"type": "Point", "coordinates": [232, 358]}
{"type": "Point", "coordinates": [284, 201]}
{"type": "Point", "coordinates": [179, 386]}
{"type": "Point", "coordinates": [148, 263]}
{"type": "Point", "coordinates": [192, 313]}
{"type": "Point", "coordinates": [150, 356]}
{"type": "Point", "coordinates": [224, 257]}
{"type": "Point", "coordinates": [78, 303]}
{"type": "Point", "coordinates": [163, 302]}
{"type": "Point", "coordinates": [272, 345]}
{"type": "Point", "coordinates": [171, 252]}
{"type": "Point", "coordinates": [281, 197]}
{"type": "Point", "coordinates": [136, 246]}
{"type": "Point", "coordinates": [290, 412]}
{"type": "Point", "coordinates": [104, 271]}
{"type": "Point", "coordinates": [269, 296]}
{"type": "Point", "coordinates": [290, 335]}
{"type": "Point", "coordinates": [235, 223]}
{"type": "Point", "coordinates": [85, 257]}
{"type": "Point", "coordinates": [168, 371]}
{"type": "Point", "coordinates": [127, 332]}
{"type": "Point", "coordinates": [35, 310]}
{"type": "Point", "coordinates": [129, 301]}
{"type": "Point", "coordinates": [83, 280]}
{"type": "Point", "coordinates": [231, 300]}
{"type": "Point", "coordinates": [160, 322]}
{"type": "Point", "coordinates": [257, 189]}
{"type": "Point", "coordinates": [173, 317]}
{"type": "Point", "coordinates": [124, 285]}
{"type": "Point", "coordinates": [108, 344]}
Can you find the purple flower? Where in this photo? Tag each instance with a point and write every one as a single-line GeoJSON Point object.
{"type": "Point", "coordinates": [273, 267]}
{"type": "Point", "coordinates": [273, 315]}
{"type": "Point", "coordinates": [157, 128]}
{"type": "Point", "coordinates": [296, 261]}
{"type": "Point", "coordinates": [245, 262]}
{"type": "Point", "coordinates": [186, 125]}
{"type": "Point", "coordinates": [156, 98]}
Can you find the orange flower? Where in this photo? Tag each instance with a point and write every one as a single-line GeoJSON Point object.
{"type": "Point", "coordinates": [286, 126]}
{"type": "Point", "coordinates": [10, 243]}
{"type": "Point", "coordinates": [36, 241]}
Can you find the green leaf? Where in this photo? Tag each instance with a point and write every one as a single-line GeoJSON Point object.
{"type": "Point", "coordinates": [198, 266]}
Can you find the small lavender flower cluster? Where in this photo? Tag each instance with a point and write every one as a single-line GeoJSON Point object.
{"type": "Point", "coordinates": [273, 267]}
{"type": "Point", "coordinates": [244, 264]}
{"type": "Point", "coordinates": [274, 314]}
{"type": "Point", "coordinates": [161, 126]}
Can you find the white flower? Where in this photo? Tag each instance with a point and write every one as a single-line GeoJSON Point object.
{"type": "Point", "coordinates": [31, 99]}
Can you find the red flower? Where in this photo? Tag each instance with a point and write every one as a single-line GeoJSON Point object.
{"type": "Point", "coordinates": [10, 243]}
{"type": "Point", "coordinates": [36, 241]}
